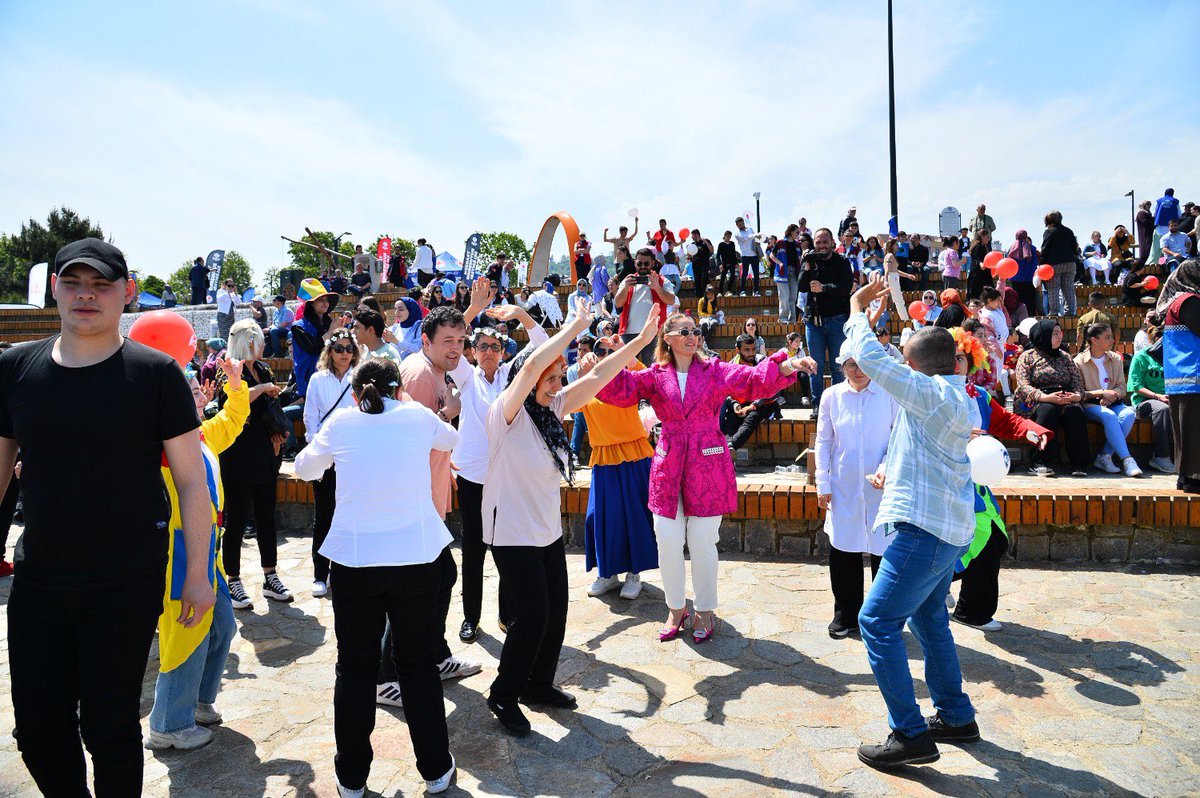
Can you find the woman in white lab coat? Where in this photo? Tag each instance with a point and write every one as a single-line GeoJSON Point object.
{"type": "Point", "coordinates": [853, 427]}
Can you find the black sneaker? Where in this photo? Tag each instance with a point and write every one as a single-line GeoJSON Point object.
{"type": "Point", "coordinates": [510, 716]}
{"type": "Point", "coordinates": [504, 625]}
{"type": "Point", "coordinates": [943, 732]}
{"type": "Point", "coordinates": [238, 597]}
{"type": "Point", "coordinates": [274, 589]}
{"type": "Point", "coordinates": [839, 632]}
{"type": "Point", "coordinates": [898, 750]}
{"type": "Point", "coordinates": [467, 632]}
{"type": "Point", "coordinates": [548, 696]}
{"type": "Point", "coordinates": [250, 532]}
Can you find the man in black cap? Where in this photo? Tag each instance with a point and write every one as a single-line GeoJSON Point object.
{"type": "Point", "coordinates": [95, 416]}
{"type": "Point", "coordinates": [198, 278]}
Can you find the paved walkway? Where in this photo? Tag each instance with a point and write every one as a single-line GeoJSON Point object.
{"type": "Point", "coordinates": [1093, 688]}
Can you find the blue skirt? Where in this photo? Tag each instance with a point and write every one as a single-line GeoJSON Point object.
{"type": "Point", "coordinates": [618, 531]}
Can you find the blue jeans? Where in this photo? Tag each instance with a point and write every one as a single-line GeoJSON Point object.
{"type": "Point", "coordinates": [293, 413]}
{"type": "Point", "coordinates": [199, 677]}
{"type": "Point", "coordinates": [578, 430]}
{"type": "Point", "coordinates": [911, 587]}
{"type": "Point", "coordinates": [1117, 421]}
{"type": "Point", "coordinates": [825, 342]}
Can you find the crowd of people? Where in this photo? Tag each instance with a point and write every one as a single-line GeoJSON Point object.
{"type": "Point", "coordinates": [473, 413]}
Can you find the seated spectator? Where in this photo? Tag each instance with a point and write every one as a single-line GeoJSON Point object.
{"type": "Point", "coordinates": [932, 309]}
{"type": "Point", "coordinates": [1049, 383]}
{"type": "Point", "coordinates": [872, 257]}
{"type": "Point", "coordinates": [581, 297]}
{"type": "Point", "coordinates": [885, 340]}
{"type": "Point", "coordinates": [1096, 315]}
{"type": "Point", "coordinates": [1174, 245]}
{"type": "Point", "coordinates": [462, 297]}
{"type": "Point", "coordinates": [1120, 251]}
{"type": "Point", "coordinates": [739, 419]}
{"type": "Point", "coordinates": [338, 283]}
{"type": "Point", "coordinates": [1105, 398]}
{"type": "Point", "coordinates": [795, 348]}
{"type": "Point", "coordinates": [1148, 390]}
{"type": "Point", "coordinates": [1014, 307]}
{"type": "Point", "coordinates": [368, 331]}
{"type": "Point", "coordinates": [1133, 291]}
{"type": "Point", "coordinates": [954, 312]}
{"type": "Point", "coordinates": [435, 298]}
{"type": "Point", "coordinates": [360, 281]}
{"type": "Point", "coordinates": [709, 311]}
{"type": "Point", "coordinates": [259, 314]}
{"type": "Point", "coordinates": [543, 305]}
{"type": "Point", "coordinates": [1142, 339]}
{"type": "Point", "coordinates": [168, 297]}
{"type": "Point", "coordinates": [750, 328]}
{"type": "Point", "coordinates": [1096, 259]}
{"type": "Point", "coordinates": [281, 327]}
{"type": "Point", "coordinates": [216, 351]}
{"type": "Point", "coordinates": [406, 328]}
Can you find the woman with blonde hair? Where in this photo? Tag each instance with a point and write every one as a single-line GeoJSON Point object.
{"type": "Point", "coordinates": [686, 390]}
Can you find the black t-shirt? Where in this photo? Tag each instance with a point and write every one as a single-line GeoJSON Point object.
{"type": "Point", "coordinates": [91, 439]}
{"type": "Point", "coordinates": [919, 254]}
{"type": "Point", "coordinates": [837, 279]}
{"type": "Point", "coordinates": [727, 253]}
{"type": "Point", "coordinates": [361, 279]}
{"type": "Point", "coordinates": [1131, 297]}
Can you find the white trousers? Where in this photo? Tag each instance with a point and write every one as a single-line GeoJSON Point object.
{"type": "Point", "coordinates": [701, 534]}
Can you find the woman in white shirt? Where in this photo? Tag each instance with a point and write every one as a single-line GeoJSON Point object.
{"type": "Point", "coordinates": [227, 299]}
{"type": "Point", "coordinates": [853, 428]}
{"type": "Point", "coordinates": [328, 390]}
{"type": "Point", "coordinates": [479, 385]}
{"type": "Point", "coordinates": [388, 558]}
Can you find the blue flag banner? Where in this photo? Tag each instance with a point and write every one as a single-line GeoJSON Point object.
{"type": "Point", "coordinates": [214, 262]}
{"type": "Point", "coordinates": [471, 257]}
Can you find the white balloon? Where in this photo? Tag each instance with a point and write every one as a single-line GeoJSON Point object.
{"type": "Point", "coordinates": [989, 460]}
{"type": "Point", "coordinates": [633, 213]}
{"type": "Point", "coordinates": [691, 248]}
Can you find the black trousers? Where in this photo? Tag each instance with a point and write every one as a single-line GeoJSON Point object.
{"type": "Point", "coordinates": [980, 592]}
{"type": "Point", "coordinates": [8, 506]}
{"type": "Point", "coordinates": [85, 651]}
{"type": "Point", "coordinates": [846, 579]}
{"type": "Point", "coordinates": [325, 501]}
{"type": "Point", "coordinates": [537, 590]}
{"type": "Point", "coordinates": [728, 278]}
{"type": "Point", "coordinates": [199, 294]}
{"type": "Point", "coordinates": [406, 595]}
{"type": "Point", "coordinates": [1159, 414]}
{"type": "Point", "coordinates": [239, 499]}
{"type": "Point", "coordinates": [387, 664]}
{"type": "Point", "coordinates": [740, 428]}
{"type": "Point", "coordinates": [470, 509]}
{"type": "Point", "coordinates": [749, 264]}
{"type": "Point", "coordinates": [700, 277]}
{"type": "Point", "coordinates": [1074, 430]}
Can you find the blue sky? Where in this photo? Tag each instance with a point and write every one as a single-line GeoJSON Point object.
{"type": "Point", "coordinates": [182, 128]}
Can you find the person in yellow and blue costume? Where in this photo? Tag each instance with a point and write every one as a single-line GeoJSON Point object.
{"type": "Point", "coordinates": [192, 661]}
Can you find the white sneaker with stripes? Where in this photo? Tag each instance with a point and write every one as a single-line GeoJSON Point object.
{"type": "Point", "coordinates": [455, 668]}
{"type": "Point", "coordinates": [388, 694]}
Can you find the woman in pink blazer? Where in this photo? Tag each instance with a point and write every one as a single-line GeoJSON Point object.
{"type": "Point", "coordinates": [686, 390]}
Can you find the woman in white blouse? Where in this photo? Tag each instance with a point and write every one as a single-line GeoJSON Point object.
{"type": "Point", "coordinates": [853, 428]}
{"type": "Point", "coordinates": [388, 558]}
{"type": "Point", "coordinates": [328, 390]}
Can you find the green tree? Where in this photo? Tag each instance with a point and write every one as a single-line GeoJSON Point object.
{"type": "Point", "coordinates": [310, 261]}
{"type": "Point", "coordinates": [152, 283]}
{"type": "Point", "coordinates": [38, 243]}
{"type": "Point", "coordinates": [235, 266]}
{"type": "Point", "coordinates": [509, 243]}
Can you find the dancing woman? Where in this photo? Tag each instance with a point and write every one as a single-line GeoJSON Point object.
{"type": "Point", "coordinates": [527, 460]}
{"type": "Point", "coordinates": [686, 390]}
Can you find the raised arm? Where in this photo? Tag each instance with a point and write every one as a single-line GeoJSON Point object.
{"type": "Point", "coordinates": [513, 397]}
{"type": "Point", "coordinates": [584, 389]}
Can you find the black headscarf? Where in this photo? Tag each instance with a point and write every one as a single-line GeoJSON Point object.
{"type": "Point", "coordinates": [951, 316]}
{"type": "Point", "coordinates": [548, 425]}
{"type": "Point", "coordinates": [1041, 336]}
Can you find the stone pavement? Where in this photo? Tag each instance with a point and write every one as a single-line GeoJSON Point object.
{"type": "Point", "coordinates": [1092, 688]}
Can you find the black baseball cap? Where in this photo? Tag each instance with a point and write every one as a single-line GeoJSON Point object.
{"type": "Point", "coordinates": [100, 255]}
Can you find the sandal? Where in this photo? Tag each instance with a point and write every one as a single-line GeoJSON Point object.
{"type": "Point", "coordinates": [671, 632]}
{"type": "Point", "coordinates": [701, 635]}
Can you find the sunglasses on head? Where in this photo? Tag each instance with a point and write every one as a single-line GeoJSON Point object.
{"type": "Point", "coordinates": [685, 332]}
{"type": "Point", "coordinates": [342, 349]}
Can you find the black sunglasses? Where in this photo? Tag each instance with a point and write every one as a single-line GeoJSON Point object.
{"type": "Point", "coordinates": [342, 349]}
{"type": "Point", "coordinates": [696, 332]}
{"type": "Point", "coordinates": [602, 352]}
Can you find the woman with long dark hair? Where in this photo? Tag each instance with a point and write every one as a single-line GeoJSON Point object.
{"type": "Point", "coordinates": [328, 391]}
{"type": "Point", "coordinates": [311, 331]}
{"type": "Point", "coordinates": [528, 457]}
{"type": "Point", "coordinates": [980, 278]}
{"type": "Point", "coordinates": [387, 561]}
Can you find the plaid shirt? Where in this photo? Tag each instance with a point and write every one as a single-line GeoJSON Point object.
{"type": "Point", "coordinates": [928, 473]}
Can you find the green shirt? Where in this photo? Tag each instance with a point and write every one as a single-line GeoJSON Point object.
{"type": "Point", "coordinates": [1145, 372]}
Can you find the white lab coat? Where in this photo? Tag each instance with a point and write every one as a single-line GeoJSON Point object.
{"type": "Point", "coordinates": [853, 428]}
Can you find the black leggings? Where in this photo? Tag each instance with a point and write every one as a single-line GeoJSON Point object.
{"type": "Point", "coordinates": [8, 506]}
{"type": "Point", "coordinates": [470, 509]}
{"type": "Point", "coordinates": [325, 501]}
{"type": "Point", "coordinates": [846, 579]}
{"type": "Point", "coordinates": [239, 498]}
{"type": "Point", "coordinates": [980, 591]}
{"type": "Point", "coordinates": [1074, 430]}
{"type": "Point", "coordinates": [536, 577]}
{"type": "Point", "coordinates": [728, 278]}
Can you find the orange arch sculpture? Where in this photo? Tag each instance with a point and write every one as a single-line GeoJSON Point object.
{"type": "Point", "coordinates": [539, 263]}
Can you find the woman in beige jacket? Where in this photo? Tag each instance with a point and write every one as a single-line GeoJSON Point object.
{"type": "Point", "coordinates": [1106, 398]}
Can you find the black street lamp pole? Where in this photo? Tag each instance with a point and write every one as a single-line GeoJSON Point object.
{"type": "Point", "coordinates": [894, 222]}
{"type": "Point", "coordinates": [1132, 213]}
{"type": "Point", "coordinates": [757, 212]}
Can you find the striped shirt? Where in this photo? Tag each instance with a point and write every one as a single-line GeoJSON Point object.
{"type": "Point", "coordinates": [928, 473]}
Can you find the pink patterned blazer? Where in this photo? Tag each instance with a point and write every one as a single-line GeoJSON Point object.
{"type": "Point", "coordinates": [692, 458]}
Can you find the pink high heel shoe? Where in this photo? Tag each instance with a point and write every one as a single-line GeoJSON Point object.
{"type": "Point", "coordinates": [671, 632]}
{"type": "Point", "coordinates": [701, 635]}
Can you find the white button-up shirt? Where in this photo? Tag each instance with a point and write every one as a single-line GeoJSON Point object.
{"type": "Point", "coordinates": [324, 390]}
{"type": "Point", "coordinates": [370, 527]}
{"type": "Point", "coordinates": [853, 428]}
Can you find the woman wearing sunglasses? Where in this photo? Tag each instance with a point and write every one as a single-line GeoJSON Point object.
{"type": "Point", "coordinates": [328, 390]}
{"type": "Point", "coordinates": [691, 478]}
{"type": "Point", "coordinates": [750, 327]}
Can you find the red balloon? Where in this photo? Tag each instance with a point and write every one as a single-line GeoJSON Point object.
{"type": "Point", "coordinates": [1006, 268]}
{"type": "Point", "coordinates": [918, 310]}
{"type": "Point", "coordinates": [1150, 283]}
{"type": "Point", "coordinates": [992, 258]}
{"type": "Point", "coordinates": [1045, 272]}
{"type": "Point", "coordinates": [684, 233]}
{"type": "Point", "coordinates": [167, 332]}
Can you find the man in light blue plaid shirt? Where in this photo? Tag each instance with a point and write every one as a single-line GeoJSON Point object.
{"type": "Point", "coordinates": [929, 507]}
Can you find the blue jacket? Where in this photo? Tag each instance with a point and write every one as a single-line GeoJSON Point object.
{"type": "Point", "coordinates": [1165, 210]}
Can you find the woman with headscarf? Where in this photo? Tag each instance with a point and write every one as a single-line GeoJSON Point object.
{"type": "Point", "coordinates": [954, 312]}
{"type": "Point", "coordinates": [1026, 255]}
{"type": "Point", "coordinates": [1179, 307]}
{"type": "Point", "coordinates": [528, 457]}
{"type": "Point", "coordinates": [1049, 382]}
{"type": "Point", "coordinates": [406, 329]}
{"type": "Point", "coordinates": [1014, 307]}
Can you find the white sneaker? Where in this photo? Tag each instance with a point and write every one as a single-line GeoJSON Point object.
{"type": "Point", "coordinates": [388, 694]}
{"type": "Point", "coordinates": [991, 626]}
{"type": "Point", "coordinates": [1105, 463]}
{"type": "Point", "coordinates": [320, 589]}
{"type": "Point", "coordinates": [442, 784]}
{"type": "Point", "coordinates": [633, 586]}
{"type": "Point", "coordinates": [183, 740]}
{"type": "Point", "coordinates": [455, 668]}
{"type": "Point", "coordinates": [1164, 464]}
{"type": "Point", "coordinates": [207, 714]}
{"type": "Point", "coordinates": [603, 585]}
{"type": "Point", "coordinates": [950, 602]}
{"type": "Point", "coordinates": [1131, 467]}
{"type": "Point", "coordinates": [346, 792]}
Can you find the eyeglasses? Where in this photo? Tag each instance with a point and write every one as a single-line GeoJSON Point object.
{"type": "Point", "coordinates": [696, 332]}
{"type": "Point", "coordinates": [646, 263]}
{"type": "Point", "coordinates": [342, 349]}
{"type": "Point", "coordinates": [602, 352]}
{"type": "Point", "coordinates": [488, 347]}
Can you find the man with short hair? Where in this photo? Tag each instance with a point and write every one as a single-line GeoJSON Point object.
{"type": "Point", "coordinates": [826, 281]}
{"type": "Point", "coordinates": [198, 280]}
{"type": "Point", "coordinates": [623, 237]}
{"type": "Point", "coordinates": [928, 509]}
{"type": "Point", "coordinates": [368, 331]}
{"type": "Point", "coordinates": [1096, 315]}
{"type": "Point", "coordinates": [662, 237]}
{"type": "Point", "coordinates": [338, 283]}
{"type": "Point", "coordinates": [1174, 245]}
{"type": "Point", "coordinates": [95, 416]}
{"type": "Point", "coordinates": [281, 327]}
{"type": "Point", "coordinates": [739, 419]}
{"type": "Point", "coordinates": [918, 261]}
{"type": "Point", "coordinates": [360, 281]}
{"type": "Point", "coordinates": [981, 221]}
{"type": "Point", "coordinates": [747, 241]}
{"type": "Point", "coordinates": [642, 293]}
{"type": "Point", "coordinates": [851, 216]}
